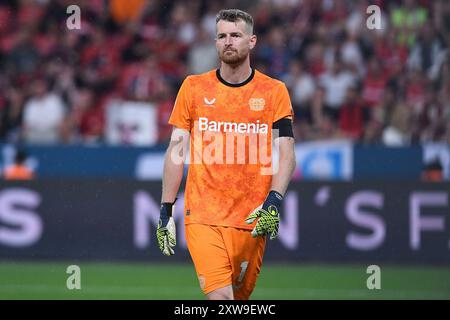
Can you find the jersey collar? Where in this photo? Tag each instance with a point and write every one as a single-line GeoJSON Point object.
{"type": "Point", "coordinates": [235, 84]}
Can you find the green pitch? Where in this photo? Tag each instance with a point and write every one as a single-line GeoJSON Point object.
{"type": "Point", "coordinates": [172, 281]}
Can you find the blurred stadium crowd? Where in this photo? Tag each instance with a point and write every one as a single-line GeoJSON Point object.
{"type": "Point", "coordinates": [389, 86]}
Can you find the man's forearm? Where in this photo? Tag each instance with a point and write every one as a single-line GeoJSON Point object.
{"type": "Point", "coordinates": [286, 166]}
{"type": "Point", "coordinates": [172, 176]}
{"type": "Point", "coordinates": [174, 165]}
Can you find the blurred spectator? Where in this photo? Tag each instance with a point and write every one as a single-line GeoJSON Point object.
{"type": "Point", "coordinates": [432, 119]}
{"type": "Point", "coordinates": [164, 105]}
{"type": "Point", "coordinates": [11, 115]}
{"type": "Point", "coordinates": [208, 21]}
{"type": "Point", "coordinates": [406, 19]}
{"type": "Point", "coordinates": [182, 23]}
{"type": "Point", "coordinates": [301, 86]}
{"type": "Point", "coordinates": [351, 54]}
{"type": "Point", "coordinates": [24, 57]}
{"type": "Point", "coordinates": [141, 81]}
{"type": "Point", "coordinates": [44, 113]}
{"type": "Point", "coordinates": [416, 85]}
{"type": "Point", "coordinates": [6, 17]}
{"type": "Point", "coordinates": [374, 83]}
{"type": "Point", "coordinates": [325, 129]}
{"type": "Point", "coordinates": [373, 131]}
{"type": "Point", "coordinates": [333, 12]}
{"type": "Point", "coordinates": [390, 53]}
{"type": "Point", "coordinates": [171, 57]}
{"type": "Point", "coordinates": [335, 83]}
{"type": "Point", "coordinates": [395, 134]}
{"type": "Point", "coordinates": [125, 11]}
{"type": "Point", "coordinates": [315, 59]}
{"type": "Point", "coordinates": [428, 52]}
{"type": "Point", "coordinates": [353, 115]}
{"type": "Point", "coordinates": [433, 171]}
{"type": "Point", "coordinates": [87, 118]}
{"type": "Point", "coordinates": [18, 170]}
{"type": "Point", "coordinates": [275, 52]}
{"type": "Point", "coordinates": [100, 61]}
{"type": "Point", "coordinates": [202, 55]}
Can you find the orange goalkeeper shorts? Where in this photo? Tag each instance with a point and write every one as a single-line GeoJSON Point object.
{"type": "Point", "coordinates": [225, 256]}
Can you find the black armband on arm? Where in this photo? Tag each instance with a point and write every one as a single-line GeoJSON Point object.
{"type": "Point", "coordinates": [284, 127]}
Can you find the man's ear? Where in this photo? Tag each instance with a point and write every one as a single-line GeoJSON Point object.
{"type": "Point", "coordinates": [252, 41]}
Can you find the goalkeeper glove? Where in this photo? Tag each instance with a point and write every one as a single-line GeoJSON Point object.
{"type": "Point", "coordinates": [166, 232]}
{"type": "Point", "coordinates": [269, 216]}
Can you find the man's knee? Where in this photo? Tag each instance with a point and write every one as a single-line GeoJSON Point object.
{"type": "Point", "coordinates": [225, 293]}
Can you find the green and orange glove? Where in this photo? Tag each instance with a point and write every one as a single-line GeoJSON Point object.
{"type": "Point", "coordinates": [166, 231]}
{"type": "Point", "coordinates": [268, 215]}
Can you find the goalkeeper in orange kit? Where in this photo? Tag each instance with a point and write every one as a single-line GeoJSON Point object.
{"type": "Point", "coordinates": [227, 116]}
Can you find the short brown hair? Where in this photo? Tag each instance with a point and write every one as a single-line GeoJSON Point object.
{"type": "Point", "coordinates": [234, 15]}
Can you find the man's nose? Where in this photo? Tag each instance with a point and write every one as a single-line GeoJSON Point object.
{"type": "Point", "coordinates": [228, 39]}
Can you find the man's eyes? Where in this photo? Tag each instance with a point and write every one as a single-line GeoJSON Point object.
{"type": "Point", "coordinates": [235, 35]}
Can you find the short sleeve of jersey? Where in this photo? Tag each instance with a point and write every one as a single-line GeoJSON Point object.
{"type": "Point", "coordinates": [181, 113]}
{"type": "Point", "coordinates": [283, 106]}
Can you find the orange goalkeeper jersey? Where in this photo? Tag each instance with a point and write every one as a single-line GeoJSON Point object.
{"type": "Point", "coordinates": [230, 125]}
